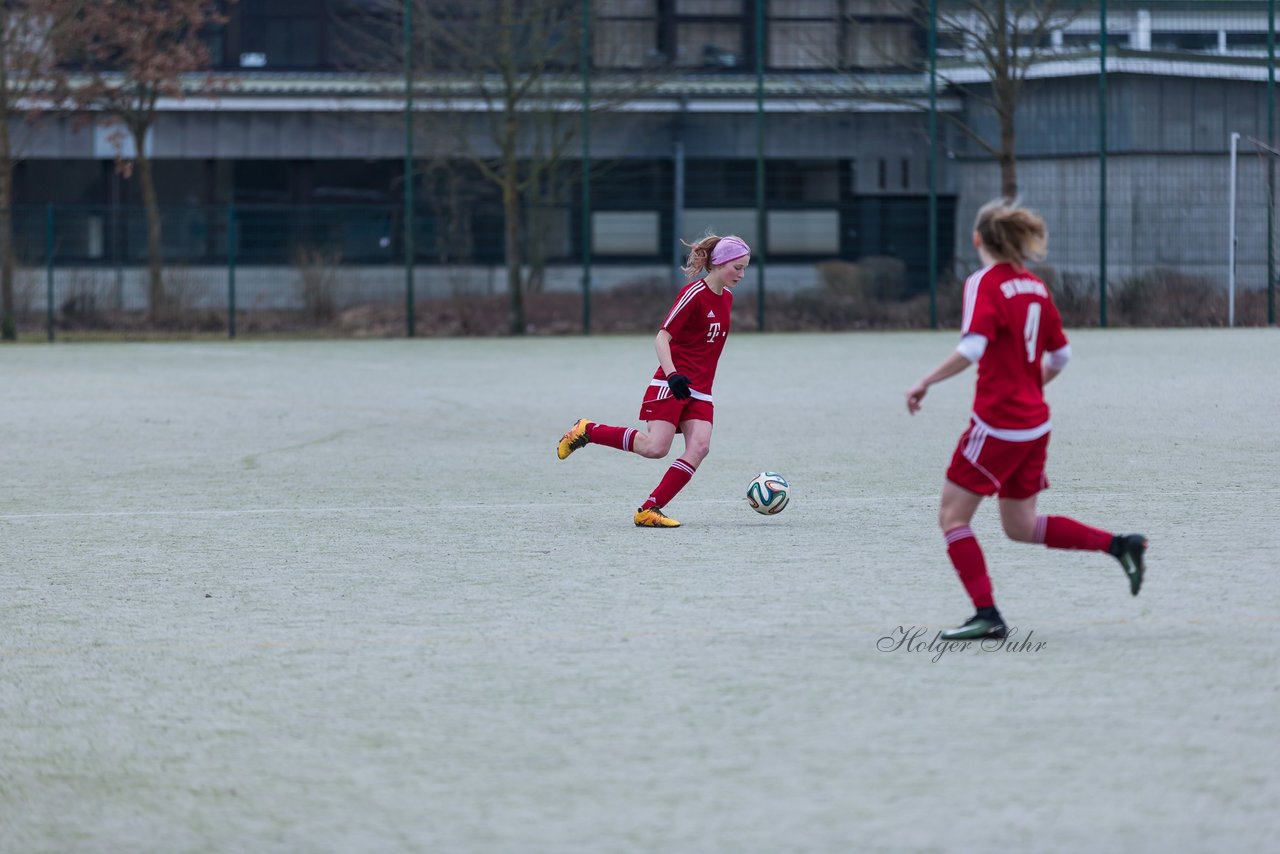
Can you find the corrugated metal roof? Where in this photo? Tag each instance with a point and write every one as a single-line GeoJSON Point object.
{"type": "Point", "coordinates": [697, 92]}
{"type": "Point", "coordinates": [692, 86]}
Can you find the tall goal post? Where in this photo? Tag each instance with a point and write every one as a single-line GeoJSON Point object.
{"type": "Point", "coordinates": [1232, 237]}
{"type": "Point", "coordinates": [1244, 258]}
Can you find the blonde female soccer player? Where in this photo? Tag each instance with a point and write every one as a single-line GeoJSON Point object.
{"type": "Point", "coordinates": [678, 398]}
{"type": "Point", "coordinates": [1012, 329]}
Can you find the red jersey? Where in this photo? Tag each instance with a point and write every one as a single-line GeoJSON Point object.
{"type": "Point", "coordinates": [699, 324]}
{"type": "Point", "coordinates": [1016, 314]}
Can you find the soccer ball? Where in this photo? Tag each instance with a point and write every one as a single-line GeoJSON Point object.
{"type": "Point", "coordinates": [768, 493]}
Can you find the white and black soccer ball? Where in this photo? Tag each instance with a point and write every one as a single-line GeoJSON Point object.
{"type": "Point", "coordinates": [768, 493]}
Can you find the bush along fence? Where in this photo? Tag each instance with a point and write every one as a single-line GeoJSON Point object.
{"type": "Point", "coordinates": [340, 271]}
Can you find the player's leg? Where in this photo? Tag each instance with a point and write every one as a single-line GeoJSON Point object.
{"type": "Point", "coordinates": [584, 432]}
{"type": "Point", "coordinates": [1018, 518]}
{"type": "Point", "coordinates": [954, 518]}
{"type": "Point", "coordinates": [660, 412]}
{"type": "Point", "coordinates": [1022, 523]}
{"type": "Point", "coordinates": [973, 475]}
{"type": "Point", "coordinates": [656, 443]}
{"type": "Point", "coordinates": [697, 442]}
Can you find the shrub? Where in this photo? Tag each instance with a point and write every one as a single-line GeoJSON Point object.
{"type": "Point", "coordinates": [316, 279]}
{"type": "Point", "coordinates": [1162, 297]}
{"type": "Point", "coordinates": [875, 277]}
{"type": "Point", "coordinates": [1075, 294]}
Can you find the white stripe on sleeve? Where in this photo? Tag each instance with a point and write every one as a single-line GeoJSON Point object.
{"type": "Point", "coordinates": [684, 301]}
{"type": "Point", "coordinates": [971, 297]}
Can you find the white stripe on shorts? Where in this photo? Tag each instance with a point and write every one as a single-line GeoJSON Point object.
{"type": "Point", "coordinates": [665, 391]}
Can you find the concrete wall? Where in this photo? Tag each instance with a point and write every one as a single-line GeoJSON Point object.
{"type": "Point", "coordinates": [282, 288]}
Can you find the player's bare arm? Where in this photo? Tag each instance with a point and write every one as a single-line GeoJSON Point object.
{"type": "Point", "coordinates": [950, 366]}
{"type": "Point", "coordinates": [662, 346]}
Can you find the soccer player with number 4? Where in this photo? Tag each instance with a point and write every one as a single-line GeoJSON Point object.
{"type": "Point", "coordinates": [678, 398]}
{"type": "Point", "coordinates": [1012, 329]}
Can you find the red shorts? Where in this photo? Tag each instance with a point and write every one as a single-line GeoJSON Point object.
{"type": "Point", "coordinates": [659, 405]}
{"type": "Point", "coordinates": [990, 466]}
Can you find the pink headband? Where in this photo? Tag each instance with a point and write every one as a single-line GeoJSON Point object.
{"type": "Point", "coordinates": [729, 249]}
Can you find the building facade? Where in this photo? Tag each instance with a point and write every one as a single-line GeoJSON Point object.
{"type": "Point", "coordinates": [306, 138]}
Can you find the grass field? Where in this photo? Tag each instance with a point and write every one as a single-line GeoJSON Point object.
{"type": "Point", "coordinates": [342, 597]}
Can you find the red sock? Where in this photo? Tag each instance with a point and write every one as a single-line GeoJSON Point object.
{"type": "Point", "coordinates": [611, 437]}
{"type": "Point", "coordinates": [673, 481]}
{"type": "Point", "coordinates": [1062, 532]}
{"type": "Point", "coordinates": [971, 566]}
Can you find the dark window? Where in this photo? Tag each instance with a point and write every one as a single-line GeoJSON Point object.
{"type": "Point", "coordinates": [803, 181]}
{"type": "Point", "coordinates": [631, 184]}
{"type": "Point", "coordinates": [1081, 40]}
{"type": "Point", "coordinates": [624, 34]}
{"type": "Point", "coordinates": [1247, 41]}
{"type": "Point", "coordinates": [283, 35]}
{"type": "Point", "coordinates": [709, 34]}
{"type": "Point", "coordinates": [950, 44]}
{"type": "Point", "coordinates": [1184, 41]}
{"type": "Point", "coordinates": [262, 181]}
{"type": "Point", "coordinates": [804, 34]}
{"type": "Point", "coordinates": [720, 183]}
{"type": "Point", "coordinates": [354, 181]}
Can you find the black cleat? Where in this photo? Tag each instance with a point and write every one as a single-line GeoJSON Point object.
{"type": "Point", "coordinates": [1131, 550]}
{"type": "Point", "coordinates": [987, 623]}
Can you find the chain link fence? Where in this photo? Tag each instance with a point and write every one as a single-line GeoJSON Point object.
{"type": "Point", "coordinates": [855, 184]}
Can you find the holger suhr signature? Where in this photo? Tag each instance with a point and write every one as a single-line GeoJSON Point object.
{"type": "Point", "coordinates": [921, 640]}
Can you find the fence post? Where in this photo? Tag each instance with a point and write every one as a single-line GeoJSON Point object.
{"type": "Point", "coordinates": [584, 64]}
{"type": "Point", "coordinates": [231, 270]}
{"type": "Point", "coordinates": [1231, 234]}
{"type": "Point", "coordinates": [48, 258]}
{"type": "Point", "coordinates": [758, 253]}
{"type": "Point", "coordinates": [933, 164]}
{"type": "Point", "coordinates": [410, 252]}
{"type": "Point", "coordinates": [1271, 168]}
{"type": "Point", "coordinates": [677, 201]}
{"type": "Point", "coordinates": [1102, 164]}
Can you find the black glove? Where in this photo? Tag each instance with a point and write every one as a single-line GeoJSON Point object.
{"type": "Point", "coordinates": [679, 385]}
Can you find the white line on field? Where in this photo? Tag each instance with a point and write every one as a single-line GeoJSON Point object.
{"type": "Point", "coordinates": [419, 508]}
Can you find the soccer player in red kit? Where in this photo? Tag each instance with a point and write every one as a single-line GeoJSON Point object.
{"type": "Point", "coordinates": [1012, 329]}
{"type": "Point", "coordinates": [678, 398]}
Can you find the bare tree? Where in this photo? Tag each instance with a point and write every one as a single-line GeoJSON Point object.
{"type": "Point", "coordinates": [505, 75]}
{"type": "Point", "coordinates": [1005, 39]}
{"type": "Point", "coordinates": [30, 83]}
{"type": "Point", "coordinates": [133, 53]}
{"type": "Point", "coordinates": [999, 42]}
{"type": "Point", "coordinates": [511, 53]}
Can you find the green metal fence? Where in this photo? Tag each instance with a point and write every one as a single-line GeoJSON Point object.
{"type": "Point", "coordinates": [1123, 136]}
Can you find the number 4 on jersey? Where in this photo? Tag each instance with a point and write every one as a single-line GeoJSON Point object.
{"type": "Point", "coordinates": [1031, 332]}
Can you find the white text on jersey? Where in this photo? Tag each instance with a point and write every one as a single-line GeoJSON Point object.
{"type": "Point", "coordinates": [1013, 287]}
